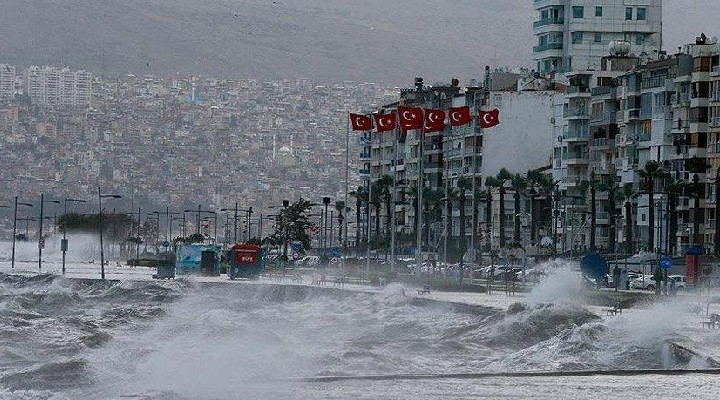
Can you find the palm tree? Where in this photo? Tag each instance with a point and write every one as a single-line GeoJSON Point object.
{"type": "Point", "coordinates": [674, 187]}
{"type": "Point", "coordinates": [431, 198]}
{"type": "Point", "coordinates": [452, 195]}
{"type": "Point", "coordinates": [360, 195]}
{"type": "Point", "coordinates": [626, 194]}
{"type": "Point", "coordinates": [716, 243]}
{"type": "Point", "coordinates": [375, 196]}
{"type": "Point", "coordinates": [649, 174]}
{"type": "Point", "coordinates": [612, 190]}
{"type": "Point", "coordinates": [518, 184]}
{"type": "Point", "coordinates": [499, 182]}
{"type": "Point", "coordinates": [464, 184]}
{"type": "Point", "coordinates": [385, 184]}
{"type": "Point", "coordinates": [695, 166]}
{"type": "Point", "coordinates": [592, 185]}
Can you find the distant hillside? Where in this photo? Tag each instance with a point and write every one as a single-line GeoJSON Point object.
{"type": "Point", "coordinates": [378, 40]}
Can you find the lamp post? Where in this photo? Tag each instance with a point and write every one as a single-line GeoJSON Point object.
{"type": "Point", "coordinates": [157, 231]}
{"type": "Point", "coordinates": [199, 211]}
{"type": "Point", "coordinates": [41, 239]}
{"type": "Point", "coordinates": [12, 262]}
{"type": "Point", "coordinates": [64, 242]}
{"type": "Point", "coordinates": [102, 251]}
{"type": "Point", "coordinates": [248, 213]}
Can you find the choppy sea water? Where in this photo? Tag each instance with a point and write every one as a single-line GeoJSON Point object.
{"type": "Point", "coordinates": [71, 339]}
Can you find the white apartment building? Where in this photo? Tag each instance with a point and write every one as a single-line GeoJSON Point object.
{"type": "Point", "coordinates": [53, 87]}
{"type": "Point", "coordinates": [576, 34]}
{"type": "Point", "coordinates": [7, 81]}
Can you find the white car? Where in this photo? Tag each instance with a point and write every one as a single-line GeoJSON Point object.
{"type": "Point", "coordinates": [646, 282]}
{"type": "Point", "coordinates": [680, 281]}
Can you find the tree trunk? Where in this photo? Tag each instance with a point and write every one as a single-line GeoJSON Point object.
{"type": "Point", "coordinates": [488, 220]}
{"type": "Point", "coordinates": [388, 224]}
{"type": "Point", "coordinates": [449, 233]}
{"type": "Point", "coordinates": [651, 218]}
{"type": "Point", "coordinates": [358, 204]}
{"type": "Point", "coordinates": [377, 223]}
{"type": "Point", "coordinates": [502, 217]}
{"type": "Point", "coordinates": [628, 228]}
{"type": "Point", "coordinates": [516, 219]}
{"type": "Point", "coordinates": [533, 230]}
{"type": "Point", "coordinates": [672, 223]}
{"type": "Point", "coordinates": [593, 219]}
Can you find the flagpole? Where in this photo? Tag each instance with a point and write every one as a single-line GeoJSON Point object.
{"type": "Point", "coordinates": [369, 212]}
{"type": "Point", "coordinates": [347, 189]}
{"type": "Point", "coordinates": [394, 196]}
{"type": "Point", "coordinates": [419, 196]}
{"type": "Point", "coordinates": [448, 206]}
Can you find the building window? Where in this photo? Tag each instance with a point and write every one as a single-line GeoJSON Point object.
{"type": "Point", "coordinates": [578, 12]}
{"type": "Point", "coordinates": [598, 37]}
{"type": "Point", "coordinates": [577, 37]}
{"type": "Point", "coordinates": [598, 11]}
{"type": "Point", "coordinates": [628, 13]}
{"type": "Point", "coordinates": [641, 13]}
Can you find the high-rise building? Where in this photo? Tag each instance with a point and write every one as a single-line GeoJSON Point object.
{"type": "Point", "coordinates": [51, 86]}
{"type": "Point", "coordinates": [7, 81]}
{"type": "Point", "coordinates": [576, 34]}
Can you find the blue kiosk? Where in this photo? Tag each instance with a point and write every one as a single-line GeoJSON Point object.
{"type": "Point", "coordinates": [200, 259]}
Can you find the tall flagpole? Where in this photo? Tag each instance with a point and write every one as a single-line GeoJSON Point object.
{"type": "Point", "coordinates": [420, 184]}
{"type": "Point", "coordinates": [347, 189]}
{"type": "Point", "coordinates": [394, 194]}
{"type": "Point", "coordinates": [369, 185]}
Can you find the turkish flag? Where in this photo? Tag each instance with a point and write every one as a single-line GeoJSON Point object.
{"type": "Point", "coordinates": [434, 120]}
{"type": "Point", "coordinates": [459, 116]}
{"type": "Point", "coordinates": [488, 119]}
{"type": "Point", "coordinates": [410, 118]}
{"type": "Point", "coordinates": [385, 122]}
{"type": "Point", "coordinates": [360, 122]}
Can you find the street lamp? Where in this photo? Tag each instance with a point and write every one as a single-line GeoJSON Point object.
{"type": "Point", "coordinates": [199, 211]}
{"type": "Point", "coordinates": [102, 253]}
{"type": "Point", "coordinates": [41, 239]}
{"type": "Point", "coordinates": [326, 202]}
{"type": "Point", "coordinates": [12, 262]}
{"type": "Point", "coordinates": [64, 242]}
{"type": "Point", "coordinates": [248, 211]}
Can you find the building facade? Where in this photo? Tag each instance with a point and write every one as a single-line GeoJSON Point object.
{"type": "Point", "coordinates": [577, 34]}
{"type": "Point", "coordinates": [56, 87]}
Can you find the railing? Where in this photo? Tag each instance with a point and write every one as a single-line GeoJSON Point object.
{"type": "Point", "coordinates": [577, 89]}
{"type": "Point", "coordinates": [575, 112]}
{"type": "Point", "coordinates": [715, 70]}
{"type": "Point", "coordinates": [715, 122]}
{"type": "Point", "coordinates": [599, 142]}
{"type": "Point", "coordinates": [365, 156]}
{"type": "Point", "coordinates": [634, 114]}
{"type": "Point", "coordinates": [601, 90]}
{"type": "Point", "coordinates": [608, 116]}
{"type": "Point", "coordinates": [654, 82]}
{"type": "Point", "coordinates": [549, 21]}
{"type": "Point", "coordinates": [547, 46]}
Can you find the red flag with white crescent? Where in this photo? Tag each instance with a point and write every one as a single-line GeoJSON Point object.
{"type": "Point", "coordinates": [360, 122]}
{"type": "Point", "coordinates": [385, 122]}
{"type": "Point", "coordinates": [459, 116]}
{"type": "Point", "coordinates": [488, 119]}
{"type": "Point", "coordinates": [410, 118]}
{"type": "Point", "coordinates": [434, 120]}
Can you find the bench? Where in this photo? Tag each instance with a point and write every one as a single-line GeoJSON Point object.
{"type": "Point", "coordinates": [614, 311]}
{"type": "Point", "coordinates": [425, 290]}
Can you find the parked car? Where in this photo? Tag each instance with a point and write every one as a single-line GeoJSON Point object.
{"type": "Point", "coordinates": [643, 282]}
{"type": "Point", "coordinates": [680, 281]}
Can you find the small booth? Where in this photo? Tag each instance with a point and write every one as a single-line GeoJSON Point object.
{"type": "Point", "coordinates": [165, 264]}
{"type": "Point", "coordinates": [195, 258]}
{"type": "Point", "coordinates": [245, 261]}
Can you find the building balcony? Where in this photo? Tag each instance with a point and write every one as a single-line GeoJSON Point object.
{"type": "Point", "coordinates": [604, 118]}
{"type": "Point", "coordinates": [715, 122]}
{"type": "Point", "coordinates": [365, 156]}
{"type": "Point", "coordinates": [598, 142]}
{"type": "Point", "coordinates": [577, 91]}
{"type": "Point", "coordinates": [540, 4]}
{"type": "Point", "coordinates": [715, 71]}
{"type": "Point", "coordinates": [577, 134]}
{"type": "Point", "coordinates": [576, 113]}
{"type": "Point", "coordinates": [575, 159]}
{"type": "Point", "coordinates": [549, 21]}
{"type": "Point", "coordinates": [552, 48]}
{"type": "Point", "coordinates": [603, 91]}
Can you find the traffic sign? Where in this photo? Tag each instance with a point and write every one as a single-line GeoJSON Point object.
{"type": "Point", "coordinates": [41, 242]}
{"type": "Point", "coordinates": [335, 252]}
{"type": "Point", "coordinates": [334, 260]}
{"type": "Point", "coordinates": [166, 244]}
{"type": "Point", "coordinates": [666, 263]}
{"type": "Point", "coordinates": [295, 255]}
